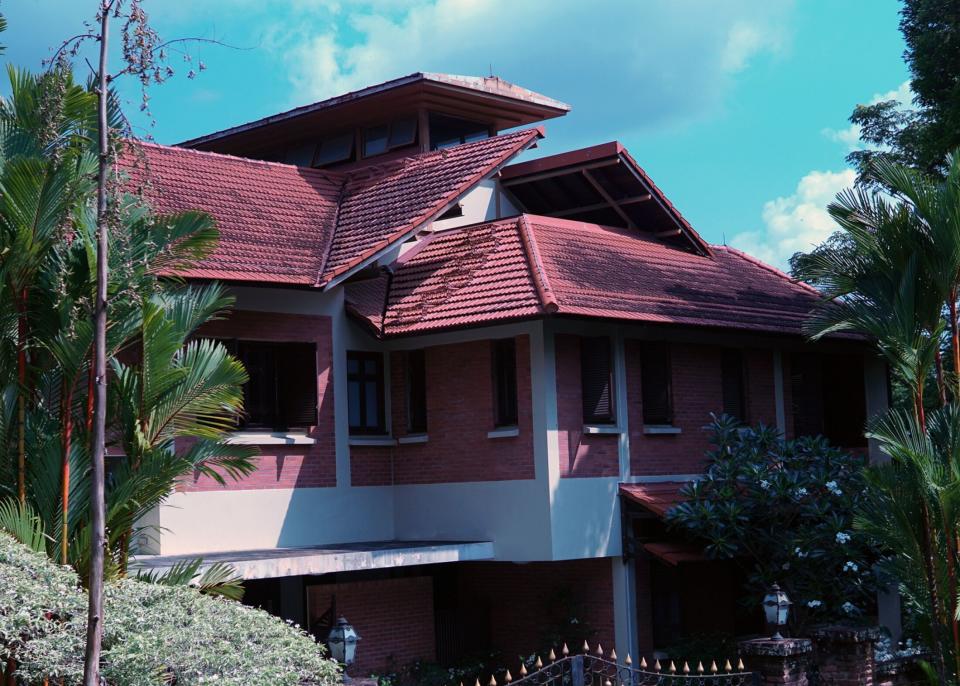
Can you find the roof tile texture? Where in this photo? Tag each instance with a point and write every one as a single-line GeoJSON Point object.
{"type": "Point", "coordinates": [483, 273]}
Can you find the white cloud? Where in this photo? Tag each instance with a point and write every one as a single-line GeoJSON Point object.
{"type": "Point", "coordinates": [797, 222]}
{"type": "Point", "coordinates": [631, 65]}
{"type": "Point", "coordinates": [850, 136]}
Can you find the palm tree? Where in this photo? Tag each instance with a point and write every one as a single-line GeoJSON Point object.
{"type": "Point", "coordinates": [895, 278]}
{"type": "Point", "coordinates": [173, 397]}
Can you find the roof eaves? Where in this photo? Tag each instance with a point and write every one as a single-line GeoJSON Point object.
{"type": "Point", "coordinates": [344, 271]}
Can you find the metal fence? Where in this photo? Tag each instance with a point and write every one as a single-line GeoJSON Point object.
{"type": "Point", "coordinates": [597, 669]}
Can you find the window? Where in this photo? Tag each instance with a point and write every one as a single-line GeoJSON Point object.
{"type": "Point", "coordinates": [402, 132]}
{"type": "Point", "coordinates": [335, 149]}
{"type": "Point", "coordinates": [732, 375]}
{"type": "Point", "coordinates": [505, 382]}
{"type": "Point", "coordinates": [655, 380]}
{"type": "Point", "coordinates": [596, 380]}
{"type": "Point", "coordinates": [365, 392]}
{"type": "Point", "coordinates": [301, 155]}
{"type": "Point", "coordinates": [282, 391]}
{"type": "Point", "coordinates": [375, 140]}
{"type": "Point", "coordinates": [447, 131]}
{"type": "Point", "coordinates": [417, 392]}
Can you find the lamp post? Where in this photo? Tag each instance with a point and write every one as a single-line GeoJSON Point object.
{"type": "Point", "coordinates": [776, 608]}
{"type": "Point", "coordinates": [342, 641]}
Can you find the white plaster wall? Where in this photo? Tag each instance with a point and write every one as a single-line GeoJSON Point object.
{"type": "Point", "coordinates": [216, 521]}
{"type": "Point", "coordinates": [585, 517]}
{"type": "Point", "coordinates": [483, 202]}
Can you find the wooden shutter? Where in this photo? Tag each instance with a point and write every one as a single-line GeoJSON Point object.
{"type": "Point", "coordinates": [416, 391]}
{"type": "Point", "coordinates": [297, 382]}
{"type": "Point", "coordinates": [806, 394]}
{"type": "Point", "coordinates": [596, 380]}
{"type": "Point", "coordinates": [655, 380]}
{"type": "Point", "coordinates": [732, 373]}
{"type": "Point", "coordinates": [505, 382]}
{"type": "Point", "coordinates": [260, 392]}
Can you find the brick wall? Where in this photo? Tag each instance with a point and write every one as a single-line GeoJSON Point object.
{"type": "Point", "coordinates": [459, 415]}
{"type": "Point", "coordinates": [581, 455]}
{"type": "Point", "coordinates": [697, 392]}
{"type": "Point", "coordinates": [294, 466]}
{"type": "Point", "coordinates": [520, 602]}
{"type": "Point", "coordinates": [393, 617]}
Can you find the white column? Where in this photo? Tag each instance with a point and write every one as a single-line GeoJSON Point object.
{"type": "Point", "coordinates": [624, 608]}
{"type": "Point", "coordinates": [620, 389]}
{"type": "Point", "coordinates": [877, 402]}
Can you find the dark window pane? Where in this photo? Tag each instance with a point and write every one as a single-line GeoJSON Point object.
{"type": "Point", "coordinates": [335, 149]}
{"type": "Point", "coordinates": [403, 132]}
{"type": "Point", "coordinates": [282, 391]}
{"type": "Point", "coordinates": [505, 382]}
{"type": "Point", "coordinates": [365, 392]}
{"type": "Point", "coordinates": [655, 381]}
{"type": "Point", "coordinates": [732, 375]}
{"type": "Point", "coordinates": [301, 155]}
{"type": "Point", "coordinates": [806, 387]}
{"type": "Point", "coordinates": [448, 131]}
{"type": "Point", "coordinates": [416, 391]}
{"type": "Point", "coordinates": [375, 140]}
{"type": "Point", "coordinates": [596, 380]}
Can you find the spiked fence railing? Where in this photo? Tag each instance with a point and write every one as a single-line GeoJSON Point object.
{"type": "Point", "coordinates": [594, 668]}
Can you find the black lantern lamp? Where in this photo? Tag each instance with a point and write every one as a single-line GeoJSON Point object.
{"type": "Point", "coordinates": [776, 608]}
{"type": "Point", "coordinates": [342, 642]}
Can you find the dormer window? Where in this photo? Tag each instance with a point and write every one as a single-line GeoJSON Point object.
{"type": "Point", "coordinates": [383, 137]}
{"type": "Point", "coordinates": [334, 149]}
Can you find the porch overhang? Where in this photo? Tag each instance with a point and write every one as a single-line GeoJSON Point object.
{"type": "Point", "coordinates": [657, 498]}
{"type": "Point", "coordinates": [271, 563]}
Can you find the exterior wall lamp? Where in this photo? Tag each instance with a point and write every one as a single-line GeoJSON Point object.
{"type": "Point", "coordinates": [776, 608]}
{"type": "Point", "coordinates": [342, 642]}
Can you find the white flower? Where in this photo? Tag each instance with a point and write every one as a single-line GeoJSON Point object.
{"type": "Point", "coordinates": [833, 487]}
{"type": "Point", "coordinates": [842, 537]}
{"type": "Point", "coordinates": [850, 566]}
{"type": "Point", "coordinates": [814, 603]}
{"type": "Point", "coordinates": [799, 553]}
{"type": "Point", "coordinates": [800, 492]}
{"type": "Point", "coordinates": [786, 566]}
{"type": "Point", "coordinates": [849, 608]}
{"type": "Point", "coordinates": [764, 484]}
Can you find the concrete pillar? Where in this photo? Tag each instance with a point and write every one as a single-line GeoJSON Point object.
{"type": "Point", "coordinates": [875, 381]}
{"type": "Point", "coordinates": [624, 606]}
{"type": "Point", "coordinates": [845, 654]}
{"type": "Point", "coordinates": [779, 662]}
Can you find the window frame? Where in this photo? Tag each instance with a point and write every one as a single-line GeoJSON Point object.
{"type": "Point", "coordinates": [610, 418]}
{"type": "Point", "coordinates": [281, 412]}
{"type": "Point", "coordinates": [361, 378]}
{"type": "Point", "coordinates": [416, 385]}
{"type": "Point", "coordinates": [726, 357]}
{"type": "Point", "coordinates": [506, 409]}
{"type": "Point", "coordinates": [663, 349]}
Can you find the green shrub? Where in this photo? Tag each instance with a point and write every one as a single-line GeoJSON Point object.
{"type": "Point", "coordinates": [152, 633]}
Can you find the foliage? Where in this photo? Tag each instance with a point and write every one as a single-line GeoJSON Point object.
{"type": "Point", "coordinates": [172, 397]}
{"type": "Point", "coordinates": [424, 673]}
{"type": "Point", "coordinates": [783, 510]}
{"type": "Point", "coordinates": [152, 632]}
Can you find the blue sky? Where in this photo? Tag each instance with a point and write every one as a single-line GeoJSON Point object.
{"type": "Point", "coordinates": [737, 108]}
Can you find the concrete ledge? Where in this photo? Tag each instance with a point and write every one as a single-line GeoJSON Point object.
{"type": "Point", "coordinates": [661, 430]}
{"type": "Point", "coordinates": [325, 559]}
{"type": "Point", "coordinates": [270, 438]}
{"type": "Point", "coordinates": [769, 647]}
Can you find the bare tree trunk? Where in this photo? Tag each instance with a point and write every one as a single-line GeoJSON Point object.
{"type": "Point", "coordinates": [941, 382]}
{"type": "Point", "coordinates": [22, 397]}
{"type": "Point", "coordinates": [67, 425]}
{"type": "Point", "coordinates": [91, 664]}
{"type": "Point", "coordinates": [955, 342]}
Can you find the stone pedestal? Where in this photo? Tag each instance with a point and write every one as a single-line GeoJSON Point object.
{"type": "Point", "coordinates": [778, 661]}
{"type": "Point", "coordinates": [845, 654]}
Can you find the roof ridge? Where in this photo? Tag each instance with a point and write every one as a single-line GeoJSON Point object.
{"type": "Point", "coordinates": [769, 267]}
{"type": "Point", "coordinates": [237, 158]}
{"type": "Point", "coordinates": [540, 280]}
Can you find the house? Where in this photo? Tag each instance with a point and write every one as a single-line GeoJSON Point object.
{"type": "Point", "coordinates": [478, 379]}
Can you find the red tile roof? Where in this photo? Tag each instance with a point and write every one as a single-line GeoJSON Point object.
{"type": "Point", "coordinates": [376, 211]}
{"type": "Point", "coordinates": [658, 498]}
{"type": "Point", "coordinates": [533, 265]}
{"type": "Point", "coordinates": [275, 220]}
{"type": "Point", "coordinates": [284, 224]}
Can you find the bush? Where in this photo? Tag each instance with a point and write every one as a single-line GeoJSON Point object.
{"type": "Point", "coordinates": [152, 633]}
{"type": "Point", "coordinates": [784, 511]}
